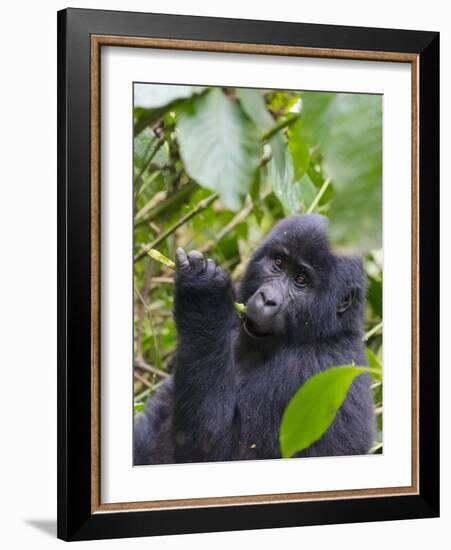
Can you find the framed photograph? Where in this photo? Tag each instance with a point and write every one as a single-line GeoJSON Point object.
{"type": "Point", "coordinates": [248, 274]}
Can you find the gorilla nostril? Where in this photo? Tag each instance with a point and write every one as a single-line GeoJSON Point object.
{"type": "Point", "coordinates": [267, 300]}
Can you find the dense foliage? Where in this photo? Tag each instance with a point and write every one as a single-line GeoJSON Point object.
{"type": "Point", "coordinates": [215, 168]}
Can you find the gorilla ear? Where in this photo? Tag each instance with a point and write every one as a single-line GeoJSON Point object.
{"type": "Point", "coordinates": [348, 300]}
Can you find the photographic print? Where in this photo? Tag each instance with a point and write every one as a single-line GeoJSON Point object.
{"type": "Point", "coordinates": [258, 269]}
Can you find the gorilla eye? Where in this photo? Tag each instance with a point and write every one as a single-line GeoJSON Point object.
{"type": "Point", "coordinates": [278, 262]}
{"type": "Point", "coordinates": [300, 280]}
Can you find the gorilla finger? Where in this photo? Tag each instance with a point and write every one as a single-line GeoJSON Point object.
{"type": "Point", "coordinates": [181, 259]}
{"type": "Point", "coordinates": [210, 268]}
{"type": "Point", "coordinates": [196, 260]}
{"type": "Point", "coordinates": [220, 274]}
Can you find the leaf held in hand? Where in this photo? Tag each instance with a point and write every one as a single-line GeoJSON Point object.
{"type": "Point", "coordinates": [240, 308]}
{"type": "Point", "coordinates": [159, 257]}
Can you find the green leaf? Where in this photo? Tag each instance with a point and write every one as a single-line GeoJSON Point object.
{"type": "Point", "coordinates": [313, 408]}
{"type": "Point", "coordinates": [254, 106]}
{"type": "Point", "coordinates": [219, 146]}
{"type": "Point", "coordinates": [374, 295]}
{"type": "Point", "coordinates": [153, 96]}
{"type": "Point", "coordinates": [139, 407]}
{"type": "Point", "coordinates": [307, 190]}
{"type": "Point", "coordinates": [281, 176]}
{"type": "Point", "coordinates": [348, 129]}
{"type": "Point", "coordinates": [281, 171]}
{"type": "Point", "coordinates": [240, 308]}
{"type": "Point", "coordinates": [299, 150]}
{"type": "Point", "coordinates": [159, 257]}
{"type": "Point", "coordinates": [373, 361]}
{"type": "Point", "coordinates": [145, 118]}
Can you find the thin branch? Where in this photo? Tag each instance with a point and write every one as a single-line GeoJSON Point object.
{"type": "Point", "coordinates": [141, 396]}
{"type": "Point", "coordinates": [162, 280]}
{"type": "Point", "coordinates": [181, 194]}
{"type": "Point", "coordinates": [264, 160]}
{"type": "Point", "coordinates": [141, 364]}
{"type": "Point", "coordinates": [236, 220]}
{"type": "Point", "coordinates": [202, 205]}
{"type": "Point", "coordinates": [142, 380]}
{"type": "Point", "coordinates": [149, 160]}
{"type": "Point", "coordinates": [318, 196]}
{"type": "Point", "coordinates": [283, 123]}
{"type": "Point", "coordinates": [373, 331]}
{"type": "Point", "coordinates": [149, 316]}
{"type": "Point", "coordinates": [141, 309]}
{"type": "Point", "coordinates": [157, 199]}
{"type": "Point", "coordinates": [375, 448]}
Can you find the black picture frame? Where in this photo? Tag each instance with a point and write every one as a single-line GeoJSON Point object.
{"type": "Point", "coordinates": [76, 518]}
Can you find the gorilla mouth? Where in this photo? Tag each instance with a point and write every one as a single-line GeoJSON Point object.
{"type": "Point", "coordinates": [251, 330]}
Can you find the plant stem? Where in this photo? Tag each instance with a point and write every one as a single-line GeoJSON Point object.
{"type": "Point", "coordinates": [202, 205]}
{"type": "Point", "coordinates": [318, 196]}
{"type": "Point", "coordinates": [283, 123]}
{"type": "Point", "coordinates": [375, 448]}
{"type": "Point", "coordinates": [143, 381]}
{"type": "Point", "coordinates": [182, 193]}
{"type": "Point", "coordinates": [141, 364]}
{"type": "Point", "coordinates": [372, 331]}
{"type": "Point", "coordinates": [155, 255]}
{"type": "Point", "coordinates": [236, 220]}
{"type": "Point", "coordinates": [149, 160]}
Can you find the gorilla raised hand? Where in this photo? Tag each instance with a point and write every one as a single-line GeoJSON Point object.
{"type": "Point", "coordinates": [234, 377]}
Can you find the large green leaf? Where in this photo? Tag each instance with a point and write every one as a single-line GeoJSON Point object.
{"type": "Point", "coordinates": [153, 96]}
{"type": "Point", "coordinates": [313, 408]}
{"type": "Point", "coordinates": [219, 146]}
{"type": "Point", "coordinates": [281, 168]}
{"type": "Point", "coordinates": [254, 106]}
{"type": "Point", "coordinates": [299, 150]}
{"type": "Point", "coordinates": [281, 176]}
{"type": "Point", "coordinates": [348, 129]}
{"type": "Point", "coordinates": [307, 190]}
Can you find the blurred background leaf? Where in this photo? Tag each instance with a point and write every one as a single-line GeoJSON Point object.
{"type": "Point", "coordinates": [151, 97]}
{"type": "Point", "coordinates": [348, 130]}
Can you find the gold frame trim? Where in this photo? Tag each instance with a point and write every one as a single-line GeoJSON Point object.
{"type": "Point", "coordinates": [97, 41]}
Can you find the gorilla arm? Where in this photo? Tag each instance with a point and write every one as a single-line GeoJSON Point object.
{"type": "Point", "coordinates": [204, 390]}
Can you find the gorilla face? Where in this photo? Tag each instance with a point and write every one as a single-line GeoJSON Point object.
{"type": "Point", "coordinates": [295, 287]}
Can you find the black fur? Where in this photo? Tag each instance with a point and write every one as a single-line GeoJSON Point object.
{"type": "Point", "coordinates": [234, 377]}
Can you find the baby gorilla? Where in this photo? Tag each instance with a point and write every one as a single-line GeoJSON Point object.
{"type": "Point", "coordinates": [234, 377]}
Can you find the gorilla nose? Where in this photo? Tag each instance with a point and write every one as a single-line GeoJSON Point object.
{"type": "Point", "coordinates": [263, 307]}
{"type": "Point", "coordinates": [265, 303]}
{"type": "Point", "coordinates": [269, 299]}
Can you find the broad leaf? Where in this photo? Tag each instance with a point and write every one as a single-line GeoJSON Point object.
{"type": "Point", "coordinates": [299, 150]}
{"type": "Point", "coordinates": [348, 129]}
{"type": "Point", "coordinates": [281, 175]}
{"type": "Point", "coordinates": [280, 167]}
{"type": "Point", "coordinates": [254, 106]}
{"type": "Point", "coordinates": [313, 408]}
{"type": "Point", "coordinates": [373, 361]}
{"type": "Point", "coordinates": [219, 146]}
{"type": "Point", "coordinates": [307, 191]}
{"type": "Point", "coordinates": [153, 96]}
